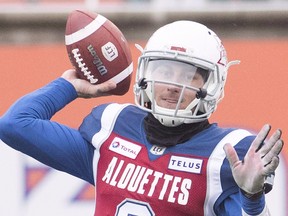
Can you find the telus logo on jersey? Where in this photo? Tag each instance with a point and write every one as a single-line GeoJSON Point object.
{"type": "Point", "coordinates": [124, 147]}
{"type": "Point", "coordinates": [191, 165]}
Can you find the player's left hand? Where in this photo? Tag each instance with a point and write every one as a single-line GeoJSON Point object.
{"type": "Point", "coordinates": [260, 161]}
{"type": "Point", "coordinates": [84, 88]}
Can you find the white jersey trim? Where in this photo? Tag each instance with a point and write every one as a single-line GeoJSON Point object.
{"type": "Point", "coordinates": [108, 120]}
{"type": "Point", "coordinates": [215, 162]}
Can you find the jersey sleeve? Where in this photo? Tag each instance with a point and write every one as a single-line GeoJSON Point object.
{"type": "Point", "coordinates": [27, 127]}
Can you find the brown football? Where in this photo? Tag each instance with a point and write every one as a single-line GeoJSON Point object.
{"type": "Point", "coordinates": [98, 50]}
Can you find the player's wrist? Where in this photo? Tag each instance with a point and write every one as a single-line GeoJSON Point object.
{"type": "Point", "coordinates": [253, 196]}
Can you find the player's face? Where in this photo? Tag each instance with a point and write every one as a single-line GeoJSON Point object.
{"type": "Point", "coordinates": [167, 95]}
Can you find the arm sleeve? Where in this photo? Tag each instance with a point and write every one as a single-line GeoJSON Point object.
{"type": "Point", "coordinates": [254, 207]}
{"type": "Point", "coordinates": [27, 127]}
{"type": "Point", "coordinates": [236, 203]}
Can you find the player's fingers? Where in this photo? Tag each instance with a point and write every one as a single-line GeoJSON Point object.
{"type": "Point", "coordinates": [103, 88]}
{"type": "Point", "coordinates": [276, 136]}
{"type": "Point", "coordinates": [260, 138]}
{"type": "Point", "coordinates": [273, 152]}
{"type": "Point", "coordinates": [87, 90]}
{"type": "Point", "coordinates": [271, 167]}
{"type": "Point", "coordinates": [231, 155]}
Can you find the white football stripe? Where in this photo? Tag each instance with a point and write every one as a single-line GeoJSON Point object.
{"type": "Point", "coordinates": [123, 74]}
{"type": "Point", "coordinates": [86, 31]}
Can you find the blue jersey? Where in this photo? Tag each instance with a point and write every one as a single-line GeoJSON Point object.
{"type": "Point", "coordinates": [131, 175]}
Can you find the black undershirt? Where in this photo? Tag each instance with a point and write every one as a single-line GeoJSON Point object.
{"type": "Point", "coordinates": [158, 134]}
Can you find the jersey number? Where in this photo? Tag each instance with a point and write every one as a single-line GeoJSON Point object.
{"type": "Point", "coordinates": [130, 207]}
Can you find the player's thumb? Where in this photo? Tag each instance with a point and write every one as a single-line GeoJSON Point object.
{"type": "Point", "coordinates": [231, 154]}
{"type": "Point", "coordinates": [106, 86]}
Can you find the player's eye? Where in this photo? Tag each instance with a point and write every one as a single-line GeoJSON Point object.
{"type": "Point", "coordinates": [163, 73]}
{"type": "Point", "coordinates": [166, 73]}
{"type": "Point", "coordinates": [188, 76]}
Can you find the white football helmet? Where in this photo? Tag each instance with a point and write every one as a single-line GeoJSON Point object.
{"type": "Point", "coordinates": [191, 44]}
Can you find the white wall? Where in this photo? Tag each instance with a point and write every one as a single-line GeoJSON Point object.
{"type": "Point", "coordinates": [54, 195]}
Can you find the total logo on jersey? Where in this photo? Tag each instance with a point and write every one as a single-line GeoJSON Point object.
{"type": "Point", "coordinates": [124, 147]}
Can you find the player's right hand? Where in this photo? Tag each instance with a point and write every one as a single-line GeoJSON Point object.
{"type": "Point", "coordinates": [84, 88]}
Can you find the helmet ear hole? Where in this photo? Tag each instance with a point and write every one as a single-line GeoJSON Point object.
{"type": "Point", "coordinates": [202, 93]}
{"type": "Point", "coordinates": [142, 83]}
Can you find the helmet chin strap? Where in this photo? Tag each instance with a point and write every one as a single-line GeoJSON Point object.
{"type": "Point", "coordinates": [169, 121]}
{"type": "Point", "coordinates": [173, 118]}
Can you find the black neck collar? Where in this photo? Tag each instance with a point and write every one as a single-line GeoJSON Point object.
{"type": "Point", "coordinates": [158, 134]}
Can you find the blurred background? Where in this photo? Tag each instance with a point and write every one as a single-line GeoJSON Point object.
{"type": "Point", "coordinates": [32, 53]}
{"type": "Point", "coordinates": [44, 20]}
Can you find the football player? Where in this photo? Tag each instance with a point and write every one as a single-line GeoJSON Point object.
{"type": "Point", "coordinates": [161, 156]}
